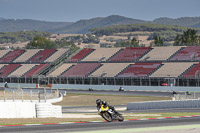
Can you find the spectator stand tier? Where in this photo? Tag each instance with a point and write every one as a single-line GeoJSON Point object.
{"type": "Point", "coordinates": [36, 70]}
{"type": "Point", "coordinates": [160, 53]}
{"type": "Point", "coordinates": [109, 69]}
{"type": "Point", "coordinates": [189, 53]}
{"type": "Point", "coordinates": [172, 69]}
{"type": "Point", "coordinates": [130, 54]}
{"type": "Point", "coordinates": [101, 55]}
{"type": "Point", "coordinates": [140, 70]}
{"type": "Point", "coordinates": [42, 55]}
{"type": "Point", "coordinates": [80, 55]}
{"type": "Point", "coordinates": [81, 70]}
{"type": "Point", "coordinates": [12, 55]}
{"type": "Point", "coordinates": [7, 69]}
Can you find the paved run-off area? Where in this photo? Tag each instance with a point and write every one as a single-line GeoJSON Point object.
{"type": "Point", "coordinates": [165, 129]}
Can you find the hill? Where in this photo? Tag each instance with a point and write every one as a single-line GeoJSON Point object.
{"type": "Point", "coordinates": [13, 25]}
{"type": "Point", "coordinates": [82, 26]}
{"type": "Point", "coordinates": [183, 21]}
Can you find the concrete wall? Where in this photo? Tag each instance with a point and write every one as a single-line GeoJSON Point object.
{"type": "Point", "coordinates": [17, 110]}
{"type": "Point", "coordinates": [116, 87]}
{"type": "Point", "coordinates": [163, 105]}
{"type": "Point", "coordinates": [110, 87]}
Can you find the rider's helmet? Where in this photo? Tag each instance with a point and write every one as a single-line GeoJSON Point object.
{"type": "Point", "coordinates": [98, 101]}
{"type": "Point", "coordinates": [104, 102]}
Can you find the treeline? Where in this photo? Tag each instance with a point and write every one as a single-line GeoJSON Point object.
{"type": "Point", "coordinates": [41, 42]}
{"type": "Point", "coordinates": [22, 36]}
{"type": "Point", "coordinates": [136, 27]}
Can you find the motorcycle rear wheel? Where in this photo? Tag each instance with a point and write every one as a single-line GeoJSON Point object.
{"type": "Point", "coordinates": [107, 116]}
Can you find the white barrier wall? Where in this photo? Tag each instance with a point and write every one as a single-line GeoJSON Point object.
{"type": "Point", "coordinates": [17, 110]}
{"type": "Point", "coordinates": [163, 105]}
{"type": "Point", "coordinates": [45, 110]}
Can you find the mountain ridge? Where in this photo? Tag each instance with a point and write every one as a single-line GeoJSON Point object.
{"type": "Point", "coordinates": [83, 26]}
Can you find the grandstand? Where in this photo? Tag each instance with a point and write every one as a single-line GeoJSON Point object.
{"type": "Point", "coordinates": [80, 55]}
{"type": "Point", "coordinates": [7, 69]}
{"type": "Point", "coordinates": [26, 56]}
{"type": "Point", "coordinates": [101, 54]}
{"type": "Point", "coordinates": [3, 53]}
{"type": "Point", "coordinates": [57, 71]}
{"type": "Point", "coordinates": [109, 69]}
{"type": "Point", "coordinates": [121, 66]}
{"type": "Point", "coordinates": [194, 72]}
{"type": "Point", "coordinates": [21, 70]}
{"type": "Point", "coordinates": [190, 53]}
{"type": "Point", "coordinates": [81, 70]}
{"type": "Point", "coordinates": [130, 54]}
{"type": "Point", "coordinates": [57, 55]}
{"type": "Point", "coordinates": [36, 70]}
{"type": "Point", "coordinates": [160, 53]}
{"type": "Point", "coordinates": [10, 56]}
{"type": "Point", "coordinates": [42, 55]}
{"type": "Point", "coordinates": [172, 70]}
{"type": "Point", "coordinates": [140, 70]}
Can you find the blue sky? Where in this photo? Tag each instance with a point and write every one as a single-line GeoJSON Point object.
{"type": "Point", "coordinates": [73, 10]}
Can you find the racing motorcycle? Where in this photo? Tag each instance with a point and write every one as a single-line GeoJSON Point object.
{"type": "Point", "coordinates": [109, 115]}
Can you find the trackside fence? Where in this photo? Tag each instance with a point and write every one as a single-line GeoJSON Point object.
{"type": "Point", "coordinates": [27, 95]}
{"type": "Point", "coordinates": [164, 105]}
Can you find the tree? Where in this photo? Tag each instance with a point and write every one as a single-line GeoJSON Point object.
{"type": "Point", "coordinates": [188, 38]}
{"type": "Point", "coordinates": [158, 41]}
{"type": "Point", "coordinates": [40, 42]}
{"type": "Point", "coordinates": [134, 42]}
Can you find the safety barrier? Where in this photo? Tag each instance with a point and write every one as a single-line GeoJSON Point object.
{"type": "Point", "coordinates": [44, 110]}
{"type": "Point", "coordinates": [163, 105]}
{"type": "Point", "coordinates": [17, 110]}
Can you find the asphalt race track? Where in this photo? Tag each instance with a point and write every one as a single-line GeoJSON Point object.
{"type": "Point", "coordinates": [99, 126]}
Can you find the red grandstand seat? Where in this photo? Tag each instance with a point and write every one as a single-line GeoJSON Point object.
{"type": "Point", "coordinates": [130, 54]}
{"type": "Point", "coordinates": [12, 55]}
{"type": "Point", "coordinates": [81, 70]}
{"type": "Point", "coordinates": [84, 52]}
{"type": "Point", "coordinates": [36, 70]}
{"type": "Point", "coordinates": [193, 72]}
{"type": "Point", "coordinates": [5, 71]}
{"type": "Point", "coordinates": [139, 70]}
{"type": "Point", "coordinates": [42, 55]}
{"type": "Point", "coordinates": [190, 53]}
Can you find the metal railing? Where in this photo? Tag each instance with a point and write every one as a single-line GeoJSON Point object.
{"type": "Point", "coordinates": [32, 95]}
{"type": "Point", "coordinates": [187, 96]}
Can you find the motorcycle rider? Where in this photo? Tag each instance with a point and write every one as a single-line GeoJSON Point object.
{"type": "Point", "coordinates": [99, 103]}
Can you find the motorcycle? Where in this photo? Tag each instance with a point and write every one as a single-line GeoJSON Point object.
{"type": "Point", "coordinates": [109, 115]}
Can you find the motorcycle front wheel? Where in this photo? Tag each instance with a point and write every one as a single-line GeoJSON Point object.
{"type": "Point", "coordinates": [107, 116]}
{"type": "Point", "coordinates": [120, 118]}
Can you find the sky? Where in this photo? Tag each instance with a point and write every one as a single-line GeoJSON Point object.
{"type": "Point", "coordinates": [74, 10]}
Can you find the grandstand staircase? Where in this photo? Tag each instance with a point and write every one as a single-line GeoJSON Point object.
{"type": "Point", "coordinates": [61, 58]}
{"type": "Point", "coordinates": [169, 59]}
{"type": "Point", "coordinates": [94, 70]}
{"type": "Point", "coordinates": [138, 59]}
{"type": "Point", "coordinates": [66, 70]}
{"type": "Point", "coordinates": [48, 56]}
{"type": "Point", "coordinates": [18, 55]}
{"type": "Point", "coordinates": [123, 70]}
{"type": "Point", "coordinates": [87, 54]}
{"type": "Point", "coordinates": [13, 70]}
{"type": "Point", "coordinates": [155, 70]}
{"type": "Point", "coordinates": [187, 70]}
{"type": "Point", "coordinates": [5, 55]}
{"type": "Point", "coordinates": [28, 60]}
{"type": "Point", "coordinates": [73, 54]}
{"type": "Point", "coordinates": [109, 59]}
